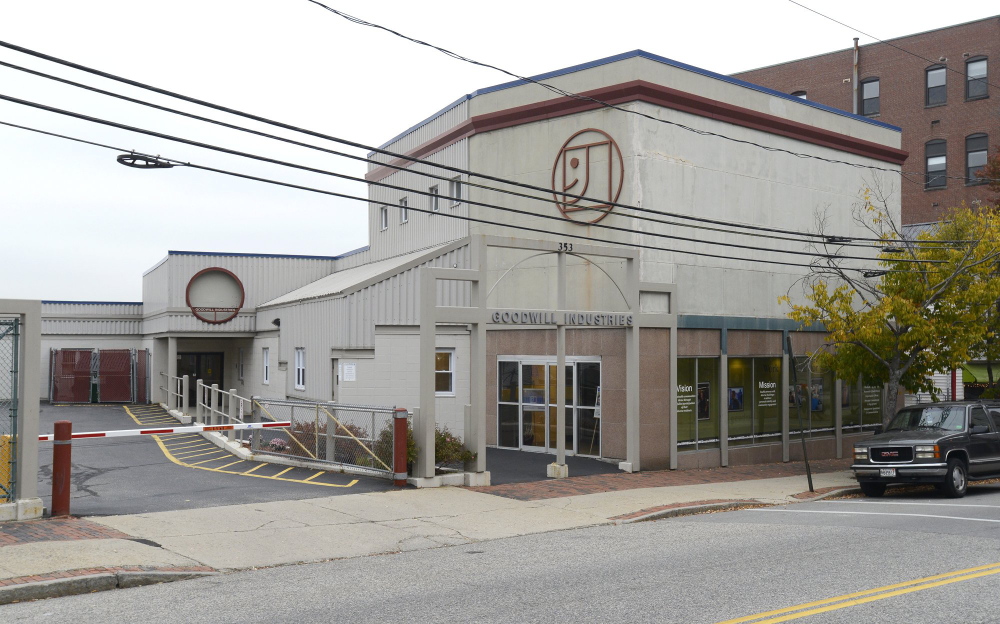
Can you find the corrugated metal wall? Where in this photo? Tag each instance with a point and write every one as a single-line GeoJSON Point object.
{"type": "Point", "coordinates": [421, 229]}
{"type": "Point", "coordinates": [446, 121]}
{"type": "Point", "coordinates": [105, 319]}
{"type": "Point", "coordinates": [348, 322]}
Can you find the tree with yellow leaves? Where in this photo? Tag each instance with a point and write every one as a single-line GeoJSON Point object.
{"type": "Point", "coordinates": [927, 308]}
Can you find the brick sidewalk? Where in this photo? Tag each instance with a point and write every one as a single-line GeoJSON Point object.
{"type": "Point", "coordinates": [53, 530]}
{"type": "Point", "coordinates": [574, 486]}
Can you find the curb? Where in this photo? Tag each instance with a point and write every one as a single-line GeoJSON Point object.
{"type": "Point", "coordinates": [90, 583]}
{"type": "Point", "coordinates": [690, 511]}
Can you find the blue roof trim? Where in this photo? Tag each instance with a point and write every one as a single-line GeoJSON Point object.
{"type": "Point", "coordinates": [624, 56]}
{"type": "Point", "coordinates": [97, 302]}
{"type": "Point", "coordinates": [259, 255]}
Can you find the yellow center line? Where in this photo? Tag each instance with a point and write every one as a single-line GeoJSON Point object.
{"type": "Point", "coordinates": [282, 472]}
{"type": "Point", "coordinates": [257, 467]}
{"type": "Point", "coordinates": [862, 597]}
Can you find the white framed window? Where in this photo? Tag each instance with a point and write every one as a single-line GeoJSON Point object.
{"type": "Point", "coordinates": [383, 218]}
{"type": "Point", "coordinates": [444, 372]}
{"type": "Point", "coordinates": [435, 204]}
{"type": "Point", "coordinates": [265, 358]}
{"type": "Point", "coordinates": [404, 214]}
{"type": "Point", "coordinates": [300, 368]}
{"type": "Point", "coordinates": [455, 191]}
{"type": "Point", "coordinates": [240, 365]}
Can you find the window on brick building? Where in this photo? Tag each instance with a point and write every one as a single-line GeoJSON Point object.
{"type": "Point", "coordinates": [976, 149]}
{"type": "Point", "coordinates": [870, 97]}
{"type": "Point", "coordinates": [937, 165]}
{"type": "Point", "coordinates": [800, 94]}
{"type": "Point", "coordinates": [975, 79]}
{"type": "Point", "coordinates": [937, 86]}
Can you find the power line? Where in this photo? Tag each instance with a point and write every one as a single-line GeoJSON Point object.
{"type": "Point", "coordinates": [588, 98]}
{"type": "Point", "coordinates": [821, 237]}
{"type": "Point", "coordinates": [181, 163]}
{"type": "Point", "coordinates": [283, 163]}
{"type": "Point", "coordinates": [547, 200]}
{"type": "Point", "coordinates": [892, 45]}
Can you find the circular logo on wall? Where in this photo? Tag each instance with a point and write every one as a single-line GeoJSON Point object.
{"type": "Point", "coordinates": [215, 295]}
{"type": "Point", "coordinates": [589, 164]}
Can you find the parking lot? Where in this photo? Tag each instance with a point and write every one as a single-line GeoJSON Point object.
{"type": "Point", "coordinates": [166, 472]}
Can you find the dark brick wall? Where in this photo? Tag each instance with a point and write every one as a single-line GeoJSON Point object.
{"type": "Point", "coordinates": [902, 79]}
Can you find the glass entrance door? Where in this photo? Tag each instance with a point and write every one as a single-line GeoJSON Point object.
{"type": "Point", "coordinates": [526, 406]}
{"type": "Point", "coordinates": [204, 366]}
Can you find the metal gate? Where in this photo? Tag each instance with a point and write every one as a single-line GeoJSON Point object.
{"type": "Point", "coordinates": [9, 336]}
{"type": "Point", "coordinates": [359, 437]}
{"type": "Point", "coordinates": [99, 375]}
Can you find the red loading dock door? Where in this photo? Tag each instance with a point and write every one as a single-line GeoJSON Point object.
{"type": "Point", "coordinates": [114, 376]}
{"type": "Point", "coordinates": [71, 376]}
{"type": "Point", "coordinates": [141, 394]}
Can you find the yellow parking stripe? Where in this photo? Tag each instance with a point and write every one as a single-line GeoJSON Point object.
{"type": "Point", "coordinates": [193, 455]}
{"type": "Point", "coordinates": [188, 444]}
{"type": "Point", "coordinates": [869, 595]}
{"type": "Point", "coordinates": [247, 473]}
{"type": "Point", "coordinates": [205, 461]}
{"type": "Point", "coordinates": [314, 476]}
{"type": "Point", "coordinates": [238, 461]}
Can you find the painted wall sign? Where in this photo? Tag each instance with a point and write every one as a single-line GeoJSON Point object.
{"type": "Point", "coordinates": [536, 317]}
{"type": "Point", "coordinates": [590, 164]}
{"type": "Point", "coordinates": [215, 295]}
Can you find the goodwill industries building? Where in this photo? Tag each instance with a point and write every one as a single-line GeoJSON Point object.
{"type": "Point", "coordinates": [672, 359]}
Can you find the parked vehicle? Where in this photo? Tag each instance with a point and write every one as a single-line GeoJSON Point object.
{"type": "Point", "coordinates": [947, 444]}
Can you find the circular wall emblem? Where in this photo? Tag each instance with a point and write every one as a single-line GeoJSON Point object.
{"type": "Point", "coordinates": [215, 295]}
{"type": "Point", "coordinates": [588, 164]}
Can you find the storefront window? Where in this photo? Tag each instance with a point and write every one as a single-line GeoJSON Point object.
{"type": "Point", "coordinates": [697, 403]}
{"type": "Point", "coordinates": [821, 407]}
{"type": "Point", "coordinates": [740, 408]}
{"type": "Point", "coordinates": [850, 407]}
{"type": "Point", "coordinates": [766, 405]}
{"type": "Point", "coordinates": [871, 406]}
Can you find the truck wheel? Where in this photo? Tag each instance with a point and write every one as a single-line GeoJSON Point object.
{"type": "Point", "coordinates": [956, 480]}
{"type": "Point", "coordinates": [874, 490]}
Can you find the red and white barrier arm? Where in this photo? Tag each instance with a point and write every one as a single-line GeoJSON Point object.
{"type": "Point", "coordinates": [188, 429]}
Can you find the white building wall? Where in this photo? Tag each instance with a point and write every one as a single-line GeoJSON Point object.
{"type": "Point", "coordinates": [451, 116]}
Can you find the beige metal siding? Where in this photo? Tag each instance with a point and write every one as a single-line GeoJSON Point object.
{"type": "Point", "coordinates": [103, 319]}
{"type": "Point", "coordinates": [417, 137]}
{"type": "Point", "coordinates": [422, 230]}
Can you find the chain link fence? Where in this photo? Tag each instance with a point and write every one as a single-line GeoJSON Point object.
{"type": "Point", "coordinates": [9, 336]}
{"type": "Point", "coordinates": [359, 437]}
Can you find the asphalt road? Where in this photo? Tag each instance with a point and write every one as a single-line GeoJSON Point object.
{"type": "Point", "coordinates": [847, 561]}
{"type": "Point", "coordinates": [133, 475]}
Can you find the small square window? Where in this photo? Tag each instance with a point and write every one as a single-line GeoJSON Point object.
{"type": "Point", "coordinates": [383, 218]}
{"type": "Point", "coordinates": [444, 374]}
{"type": "Point", "coordinates": [435, 204]}
{"type": "Point", "coordinates": [455, 191]}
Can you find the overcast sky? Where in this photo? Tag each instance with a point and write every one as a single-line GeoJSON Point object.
{"type": "Point", "coordinates": [75, 225]}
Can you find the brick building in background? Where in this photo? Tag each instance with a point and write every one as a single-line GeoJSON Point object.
{"type": "Point", "coordinates": [947, 103]}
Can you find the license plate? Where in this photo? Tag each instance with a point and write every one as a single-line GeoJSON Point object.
{"type": "Point", "coordinates": [887, 472]}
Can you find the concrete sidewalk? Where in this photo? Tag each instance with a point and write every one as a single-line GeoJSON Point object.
{"type": "Point", "coordinates": [53, 557]}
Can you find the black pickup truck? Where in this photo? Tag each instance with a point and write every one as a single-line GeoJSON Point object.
{"type": "Point", "coordinates": [947, 444]}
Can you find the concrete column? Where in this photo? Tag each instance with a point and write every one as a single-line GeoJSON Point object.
{"type": "Point", "coordinates": [632, 371]}
{"type": "Point", "coordinates": [198, 396]}
{"type": "Point", "coordinates": [724, 404]}
{"type": "Point", "coordinates": [785, 388]}
{"type": "Point", "coordinates": [559, 469]}
{"type": "Point", "coordinates": [475, 436]}
{"type": "Point", "coordinates": [838, 416]}
{"type": "Point", "coordinates": [171, 369]}
{"type": "Point", "coordinates": [185, 392]}
{"type": "Point", "coordinates": [673, 396]}
{"type": "Point", "coordinates": [234, 406]}
{"type": "Point", "coordinates": [29, 385]}
{"type": "Point", "coordinates": [213, 404]}
{"type": "Point", "coordinates": [423, 425]}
